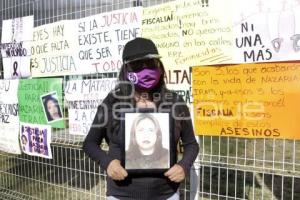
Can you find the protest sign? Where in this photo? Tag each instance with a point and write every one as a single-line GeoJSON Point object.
{"type": "Point", "coordinates": [262, 33]}
{"type": "Point", "coordinates": [101, 39]}
{"type": "Point", "coordinates": [178, 79]}
{"type": "Point", "coordinates": [83, 97]}
{"type": "Point", "coordinates": [15, 47]}
{"type": "Point", "coordinates": [53, 50]}
{"type": "Point", "coordinates": [40, 101]}
{"type": "Point", "coordinates": [194, 32]}
{"type": "Point", "coordinates": [35, 139]}
{"type": "Point", "coordinates": [249, 100]}
{"type": "Point", "coordinates": [190, 32]}
{"type": "Point", "coordinates": [85, 46]}
{"type": "Point", "coordinates": [9, 117]}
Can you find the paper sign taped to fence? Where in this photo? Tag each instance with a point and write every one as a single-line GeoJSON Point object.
{"type": "Point", "coordinates": [101, 39]}
{"type": "Point", "coordinates": [15, 48]}
{"type": "Point", "coordinates": [250, 100]}
{"type": "Point", "coordinates": [9, 117]}
{"type": "Point", "coordinates": [83, 98]}
{"type": "Point", "coordinates": [53, 50]}
{"type": "Point", "coordinates": [190, 32]}
{"type": "Point", "coordinates": [197, 32]}
{"type": "Point", "coordinates": [178, 79]}
{"type": "Point", "coordinates": [40, 101]}
{"type": "Point", "coordinates": [262, 33]}
{"type": "Point", "coordinates": [35, 139]}
{"type": "Point", "coordinates": [85, 46]}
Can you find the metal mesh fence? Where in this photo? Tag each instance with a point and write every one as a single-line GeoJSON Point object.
{"type": "Point", "coordinates": [226, 168]}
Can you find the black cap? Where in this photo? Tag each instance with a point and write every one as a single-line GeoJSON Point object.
{"type": "Point", "coordinates": [138, 49]}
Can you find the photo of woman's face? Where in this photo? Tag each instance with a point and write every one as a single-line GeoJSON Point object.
{"type": "Point", "coordinates": [53, 109]}
{"type": "Point", "coordinates": [145, 134]}
{"type": "Point", "coordinates": [24, 140]}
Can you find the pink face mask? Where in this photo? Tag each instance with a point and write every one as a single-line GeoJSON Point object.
{"type": "Point", "coordinates": [145, 79]}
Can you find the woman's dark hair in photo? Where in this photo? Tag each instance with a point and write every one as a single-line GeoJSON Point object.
{"type": "Point", "coordinates": [46, 99]}
{"type": "Point", "coordinates": [24, 139]}
{"type": "Point", "coordinates": [133, 149]}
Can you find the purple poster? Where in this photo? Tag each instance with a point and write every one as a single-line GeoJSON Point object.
{"type": "Point", "coordinates": [35, 139]}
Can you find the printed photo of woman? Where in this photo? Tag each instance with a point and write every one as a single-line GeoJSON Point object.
{"type": "Point", "coordinates": [51, 107]}
{"type": "Point", "coordinates": [24, 142]}
{"type": "Point", "coordinates": [146, 149]}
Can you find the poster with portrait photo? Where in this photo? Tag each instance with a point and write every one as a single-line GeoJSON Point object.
{"type": "Point", "coordinates": [31, 108]}
{"type": "Point", "coordinates": [35, 139]}
{"type": "Point", "coordinates": [148, 142]}
{"type": "Point", "coordinates": [51, 107]}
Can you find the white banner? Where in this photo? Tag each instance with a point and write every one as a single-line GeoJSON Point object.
{"type": "Point", "coordinates": [85, 46]}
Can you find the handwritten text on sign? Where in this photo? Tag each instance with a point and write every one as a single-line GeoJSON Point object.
{"type": "Point", "coordinates": [101, 38]}
{"type": "Point", "coordinates": [9, 117]}
{"type": "Point", "coordinates": [178, 79]}
{"type": "Point", "coordinates": [52, 50]}
{"type": "Point", "coordinates": [83, 98]}
{"type": "Point", "coordinates": [251, 100]}
{"type": "Point", "coordinates": [30, 95]}
{"type": "Point", "coordinates": [261, 32]}
{"type": "Point", "coordinates": [15, 48]}
{"type": "Point", "coordinates": [189, 32]}
{"type": "Point", "coordinates": [35, 139]}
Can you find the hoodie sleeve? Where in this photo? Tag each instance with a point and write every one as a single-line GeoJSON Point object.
{"type": "Point", "coordinates": [187, 136]}
{"type": "Point", "coordinates": [98, 131]}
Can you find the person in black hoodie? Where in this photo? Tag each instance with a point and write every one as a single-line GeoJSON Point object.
{"type": "Point", "coordinates": [140, 85]}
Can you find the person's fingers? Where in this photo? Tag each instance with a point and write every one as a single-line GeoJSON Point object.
{"type": "Point", "coordinates": [177, 177]}
{"type": "Point", "coordinates": [116, 175]}
{"type": "Point", "coordinates": [112, 169]}
{"type": "Point", "coordinates": [176, 173]}
{"type": "Point", "coordinates": [116, 171]}
{"type": "Point", "coordinates": [174, 176]}
{"type": "Point", "coordinates": [170, 171]}
{"type": "Point", "coordinates": [123, 172]}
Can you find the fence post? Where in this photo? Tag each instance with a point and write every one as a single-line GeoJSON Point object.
{"type": "Point", "coordinates": [195, 178]}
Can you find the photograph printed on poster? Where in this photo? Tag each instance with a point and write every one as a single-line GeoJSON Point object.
{"type": "Point", "coordinates": [51, 107]}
